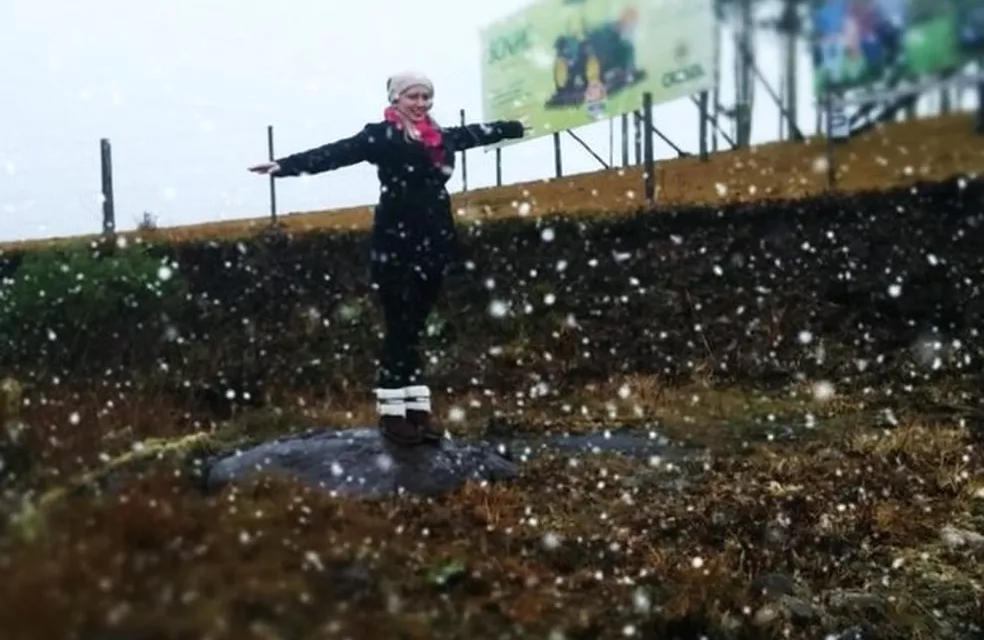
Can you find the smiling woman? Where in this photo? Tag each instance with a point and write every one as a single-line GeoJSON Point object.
{"type": "Point", "coordinates": [413, 238]}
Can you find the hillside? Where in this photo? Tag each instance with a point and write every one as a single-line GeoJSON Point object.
{"type": "Point", "coordinates": [814, 369]}
{"type": "Point", "coordinates": [810, 375]}
{"type": "Point", "coordinates": [898, 154]}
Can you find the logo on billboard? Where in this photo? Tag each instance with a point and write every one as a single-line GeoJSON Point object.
{"type": "Point", "coordinates": [685, 72]}
{"type": "Point", "coordinates": [509, 45]}
{"type": "Point", "coordinates": [683, 75]}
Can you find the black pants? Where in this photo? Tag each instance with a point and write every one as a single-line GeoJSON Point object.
{"type": "Point", "coordinates": [407, 290]}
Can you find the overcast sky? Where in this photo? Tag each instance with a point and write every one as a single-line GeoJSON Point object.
{"type": "Point", "coordinates": [186, 88]}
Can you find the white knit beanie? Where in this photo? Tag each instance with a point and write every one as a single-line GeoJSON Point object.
{"type": "Point", "coordinates": [400, 82]}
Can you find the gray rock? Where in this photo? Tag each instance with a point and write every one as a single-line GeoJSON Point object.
{"type": "Point", "coordinates": [629, 444]}
{"type": "Point", "coordinates": [775, 584]}
{"type": "Point", "coordinates": [766, 615]}
{"type": "Point", "coordinates": [785, 599]}
{"type": "Point", "coordinates": [955, 537]}
{"type": "Point", "coordinates": [799, 609]}
{"type": "Point", "coordinates": [857, 601]}
{"type": "Point", "coordinates": [785, 607]}
{"type": "Point", "coordinates": [360, 462]}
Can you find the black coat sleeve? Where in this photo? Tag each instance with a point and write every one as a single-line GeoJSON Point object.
{"type": "Point", "coordinates": [479, 135]}
{"type": "Point", "coordinates": [331, 156]}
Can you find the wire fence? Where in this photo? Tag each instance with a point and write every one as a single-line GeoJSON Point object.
{"type": "Point", "coordinates": [633, 139]}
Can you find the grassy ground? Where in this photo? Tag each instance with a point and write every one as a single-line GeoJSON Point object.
{"type": "Point", "coordinates": [836, 506]}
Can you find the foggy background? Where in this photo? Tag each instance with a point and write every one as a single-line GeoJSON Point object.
{"type": "Point", "coordinates": [185, 90]}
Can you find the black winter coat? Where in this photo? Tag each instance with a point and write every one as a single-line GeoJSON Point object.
{"type": "Point", "coordinates": [413, 218]}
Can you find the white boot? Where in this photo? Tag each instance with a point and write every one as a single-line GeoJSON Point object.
{"type": "Point", "coordinates": [391, 406]}
{"type": "Point", "coordinates": [418, 402]}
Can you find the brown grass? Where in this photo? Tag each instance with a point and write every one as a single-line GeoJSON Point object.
{"type": "Point", "coordinates": [585, 550]}
{"type": "Point", "coordinates": [894, 155]}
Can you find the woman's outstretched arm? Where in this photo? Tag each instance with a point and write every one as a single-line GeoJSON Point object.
{"type": "Point", "coordinates": [470, 136]}
{"type": "Point", "coordinates": [327, 157]}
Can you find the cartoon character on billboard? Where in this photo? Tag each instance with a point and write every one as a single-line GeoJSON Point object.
{"type": "Point", "coordinates": [970, 26]}
{"type": "Point", "coordinates": [595, 62]}
{"type": "Point", "coordinates": [855, 39]}
{"type": "Point", "coordinates": [595, 98]}
{"type": "Point", "coordinates": [830, 50]}
{"type": "Point", "coordinates": [875, 32]}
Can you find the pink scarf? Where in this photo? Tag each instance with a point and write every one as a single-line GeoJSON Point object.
{"type": "Point", "coordinates": [427, 133]}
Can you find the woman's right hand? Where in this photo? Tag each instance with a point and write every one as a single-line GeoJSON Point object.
{"type": "Point", "coordinates": [266, 168]}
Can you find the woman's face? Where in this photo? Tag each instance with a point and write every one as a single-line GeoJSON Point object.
{"type": "Point", "coordinates": [415, 103]}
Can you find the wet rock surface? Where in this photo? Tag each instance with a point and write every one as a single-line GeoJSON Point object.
{"type": "Point", "coordinates": [634, 444]}
{"type": "Point", "coordinates": [360, 462]}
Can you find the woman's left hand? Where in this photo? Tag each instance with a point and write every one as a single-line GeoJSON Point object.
{"type": "Point", "coordinates": [267, 168]}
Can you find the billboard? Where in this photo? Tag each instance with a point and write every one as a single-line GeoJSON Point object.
{"type": "Point", "coordinates": [561, 64]}
{"type": "Point", "coordinates": [859, 43]}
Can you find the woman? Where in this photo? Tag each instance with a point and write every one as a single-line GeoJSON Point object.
{"type": "Point", "coordinates": [413, 235]}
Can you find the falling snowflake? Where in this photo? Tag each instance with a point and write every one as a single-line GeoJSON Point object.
{"type": "Point", "coordinates": [823, 391]}
{"type": "Point", "coordinates": [498, 309]}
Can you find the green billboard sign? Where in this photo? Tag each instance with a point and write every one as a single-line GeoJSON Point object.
{"type": "Point", "coordinates": [561, 64]}
{"type": "Point", "coordinates": [859, 43]}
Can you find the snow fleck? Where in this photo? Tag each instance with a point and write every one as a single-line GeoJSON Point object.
{"type": "Point", "coordinates": [550, 540]}
{"type": "Point", "coordinates": [384, 462]}
{"type": "Point", "coordinates": [823, 390]}
{"type": "Point", "coordinates": [498, 309]}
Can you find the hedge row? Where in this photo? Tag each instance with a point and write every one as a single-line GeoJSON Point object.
{"type": "Point", "coordinates": [750, 292]}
